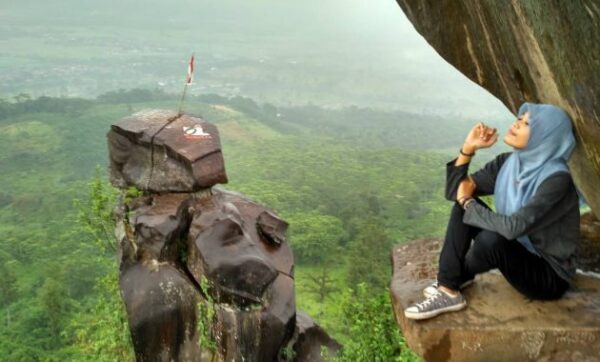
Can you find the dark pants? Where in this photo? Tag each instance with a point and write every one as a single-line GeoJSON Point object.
{"type": "Point", "coordinates": [460, 261]}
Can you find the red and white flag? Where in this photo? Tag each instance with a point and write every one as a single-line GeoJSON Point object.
{"type": "Point", "coordinates": [190, 74]}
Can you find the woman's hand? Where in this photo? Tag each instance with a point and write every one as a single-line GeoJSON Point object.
{"type": "Point", "coordinates": [466, 188]}
{"type": "Point", "coordinates": [480, 136]}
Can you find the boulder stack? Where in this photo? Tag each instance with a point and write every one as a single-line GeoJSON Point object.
{"type": "Point", "coordinates": [199, 266]}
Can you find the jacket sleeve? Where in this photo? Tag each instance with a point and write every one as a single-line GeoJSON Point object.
{"type": "Point", "coordinates": [485, 178]}
{"type": "Point", "coordinates": [548, 194]}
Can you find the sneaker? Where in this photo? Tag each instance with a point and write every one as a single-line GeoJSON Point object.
{"type": "Point", "coordinates": [438, 303]}
{"type": "Point", "coordinates": [433, 287]}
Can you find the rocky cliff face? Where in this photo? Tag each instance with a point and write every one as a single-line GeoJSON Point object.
{"type": "Point", "coordinates": [199, 265]}
{"type": "Point", "coordinates": [537, 51]}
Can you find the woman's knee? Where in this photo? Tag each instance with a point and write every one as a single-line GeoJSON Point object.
{"type": "Point", "coordinates": [485, 253]}
{"type": "Point", "coordinates": [458, 211]}
{"type": "Point", "coordinates": [487, 243]}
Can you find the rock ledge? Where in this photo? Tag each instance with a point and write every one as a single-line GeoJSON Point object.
{"type": "Point", "coordinates": [499, 324]}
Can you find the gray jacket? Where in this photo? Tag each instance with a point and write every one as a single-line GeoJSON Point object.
{"type": "Point", "coordinates": [550, 217]}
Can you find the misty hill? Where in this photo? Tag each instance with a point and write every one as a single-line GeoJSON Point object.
{"type": "Point", "coordinates": [332, 53]}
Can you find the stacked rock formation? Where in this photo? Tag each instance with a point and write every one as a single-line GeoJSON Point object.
{"type": "Point", "coordinates": [194, 256]}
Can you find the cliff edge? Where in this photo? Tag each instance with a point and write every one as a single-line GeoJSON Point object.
{"type": "Point", "coordinates": [499, 324]}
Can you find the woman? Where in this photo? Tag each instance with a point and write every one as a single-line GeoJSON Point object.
{"type": "Point", "coordinates": [532, 236]}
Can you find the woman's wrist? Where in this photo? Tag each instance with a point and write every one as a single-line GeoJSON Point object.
{"type": "Point", "coordinates": [466, 201]}
{"type": "Point", "coordinates": [468, 150]}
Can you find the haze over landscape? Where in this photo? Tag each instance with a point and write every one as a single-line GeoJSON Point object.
{"type": "Point", "coordinates": [331, 53]}
{"type": "Point", "coordinates": [335, 113]}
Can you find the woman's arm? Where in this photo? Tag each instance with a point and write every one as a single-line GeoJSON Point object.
{"type": "Point", "coordinates": [459, 186]}
{"type": "Point", "coordinates": [548, 194]}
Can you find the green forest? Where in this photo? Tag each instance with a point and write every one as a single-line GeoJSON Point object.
{"type": "Point", "coordinates": [336, 114]}
{"type": "Point", "coordinates": [351, 182]}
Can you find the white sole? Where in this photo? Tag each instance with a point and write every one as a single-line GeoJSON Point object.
{"type": "Point", "coordinates": [462, 287]}
{"type": "Point", "coordinates": [433, 313]}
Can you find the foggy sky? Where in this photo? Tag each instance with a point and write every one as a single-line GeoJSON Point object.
{"type": "Point", "coordinates": [341, 39]}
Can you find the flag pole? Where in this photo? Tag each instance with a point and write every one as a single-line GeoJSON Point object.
{"type": "Point", "coordinates": [188, 81]}
{"type": "Point", "coordinates": [180, 111]}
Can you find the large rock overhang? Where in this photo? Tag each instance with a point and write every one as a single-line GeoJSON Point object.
{"type": "Point", "coordinates": [535, 51]}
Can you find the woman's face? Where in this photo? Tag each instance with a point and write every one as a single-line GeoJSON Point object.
{"type": "Point", "coordinates": [518, 134]}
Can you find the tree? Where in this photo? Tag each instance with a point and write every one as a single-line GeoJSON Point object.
{"type": "Point", "coordinates": [368, 258]}
{"type": "Point", "coordinates": [314, 236]}
{"type": "Point", "coordinates": [95, 215]}
{"type": "Point", "coordinates": [375, 335]}
{"type": "Point", "coordinates": [8, 285]}
{"type": "Point", "coordinates": [54, 306]}
{"type": "Point", "coordinates": [322, 284]}
{"type": "Point", "coordinates": [101, 331]}
{"type": "Point", "coordinates": [6, 108]}
{"type": "Point", "coordinates": [22, 97]}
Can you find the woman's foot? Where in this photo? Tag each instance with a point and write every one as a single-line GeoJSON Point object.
{"type": "Point", "coordinates": [438, 303]}
{"type": "Point", "coordinates": [433, 287]}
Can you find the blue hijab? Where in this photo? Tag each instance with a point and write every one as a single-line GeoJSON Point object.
{"type": "Point", "coordinates": [550, 145]}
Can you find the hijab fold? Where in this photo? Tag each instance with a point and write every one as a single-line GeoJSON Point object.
{"type": "Point", "coordinates": [550, 145]}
